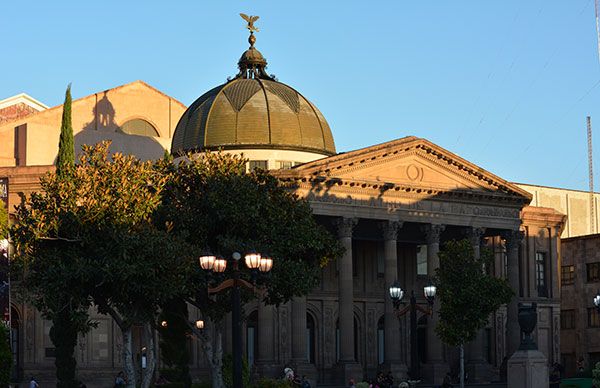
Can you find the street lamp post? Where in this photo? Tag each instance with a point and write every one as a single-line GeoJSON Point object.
{"type": "Point", "coordinates": [256, 263]}
{"type": "Point", "coordinates": [597, 301]}
{"type": "Point", "coordinates": [396, 294]}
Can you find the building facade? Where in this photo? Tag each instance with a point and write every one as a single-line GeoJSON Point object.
{"type": "Point", "coordinates": [392, 206]}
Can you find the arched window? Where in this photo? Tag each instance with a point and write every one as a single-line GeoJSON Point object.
{"type": "Point", "coordinates": [337, 339]}
{"type": "Point", "coordinates": [310, 338]}
{"type": "Point", "coordinates": [380, 341]}
{"type": "Point", "coordinates": [138, 127]}
{"type": "Point", "coordinates": [252, 337]}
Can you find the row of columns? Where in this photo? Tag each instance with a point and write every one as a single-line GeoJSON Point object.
{"type": "Point", "coordinates": [349, 366]}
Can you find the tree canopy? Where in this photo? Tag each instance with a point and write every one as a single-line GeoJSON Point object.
{"type": "Point", "coordinates": [466, 293]}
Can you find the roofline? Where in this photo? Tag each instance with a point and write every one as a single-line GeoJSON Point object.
{"type": "Point", "coordinates": [103, 91]}
{"type": "Point", "coordinates": [582, 237]}
{"type": "Point", "coordinates": [23, 97]}
{"type": "Point", "coordinates": [555, 188]}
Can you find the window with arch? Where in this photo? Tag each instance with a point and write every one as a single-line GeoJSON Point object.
{"type": "Point", "coordinates": [139, 127]}
{"type": "Point", "coordinates": [252, 337]}
{"type": "Point", "coordinates": [310, 338]}
{"type": "Point", "coordinates": [380, 341]}
{"type": "Point", "coordinates": [337, 339]}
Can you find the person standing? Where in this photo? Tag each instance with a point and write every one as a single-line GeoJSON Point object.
{"type": "Point", "coordinates": [33, 383]}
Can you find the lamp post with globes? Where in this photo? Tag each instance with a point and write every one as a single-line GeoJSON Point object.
{"type": "Point", "coordinates": [597, 301]}
{"type": "Point", "coordinates": [396, 294]}
{"type": "Point", "coordinates": [257, 264]}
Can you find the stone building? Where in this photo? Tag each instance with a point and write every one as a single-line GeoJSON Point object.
{"type": "Point", "coordinates": [392, 205]}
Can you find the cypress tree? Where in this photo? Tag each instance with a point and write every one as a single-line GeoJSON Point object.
{"type": "Point", "coordinates": [65, 328]}
{"type": "Point", "coordinates": [65, 160]}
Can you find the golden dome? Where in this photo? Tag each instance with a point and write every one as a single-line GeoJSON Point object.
{"type": "Point", "coordinates": [253, 111]}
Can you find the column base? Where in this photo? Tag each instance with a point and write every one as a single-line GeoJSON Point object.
{"type": "Point", "coordinates": [269, 370]}
{"type": "Point", "coordinates": [479, 371]}
{"type": "Point", "coordinates": [347, 370]}
{"type": "Point", "coordinates": [434, 372]}
{"type": "Point", "coordinates": [303, 368]}
{"type": "Point", "coordinates": [399, 370]}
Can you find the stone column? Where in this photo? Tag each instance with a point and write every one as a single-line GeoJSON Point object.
{"type": "Point", "coordinates": [477, 366]}
{"type": "Point", "coordinates": [266, 351]}
{"type": "Point", "coordinates": [392, 353]}
{"type": "Point", "coordinates": [300, 360]}
{"type": "Point", "coordinates": [436, 367]}
{"type": "Point", "coordinates": [350, 368]}
{"type": "Point", "coordinates": [513, 240]}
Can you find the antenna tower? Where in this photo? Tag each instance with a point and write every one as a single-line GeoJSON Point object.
{"type": "Point", "coordinates": [591, 177]}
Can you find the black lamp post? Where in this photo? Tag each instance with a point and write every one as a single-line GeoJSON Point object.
{"type": "Point", "coordinates": [396, 294]}
{"type": "Point", "coordinates": [256, 263]}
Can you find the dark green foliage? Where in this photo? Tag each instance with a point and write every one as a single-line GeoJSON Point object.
{"type": "Point", "coordinates": [596, 374]}
{"type": "Point", "coordinates": [63, 335]}
{"type": "Point", "coordinates": [174, 341]}
{"type": "Point", "coordinates": [3, 221]}
{"type": "Point", "coordinates": [273, 383]}
{"type": "Point", "coordinates": [5, 356]}
{"type": "Point", "coordinates": [228, 371]}
{"type": "Point", "coordinates": [467, 295]}
{"type": "Point", "coordinates": [66, 148]}
{"type": "Point", "coordinates": [213, 203]}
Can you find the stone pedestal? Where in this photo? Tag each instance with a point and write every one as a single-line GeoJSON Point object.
{"type": "Point", "coordinates": [349, 370]}
{"type": "Point", "coordinates": [528, 369]}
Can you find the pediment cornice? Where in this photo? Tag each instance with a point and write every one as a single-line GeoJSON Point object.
{"type": "Point", "coordinates": [352, 172]}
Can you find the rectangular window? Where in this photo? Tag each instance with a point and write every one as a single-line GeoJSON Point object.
{"type": "Point", "coordinates": [593, 317]}
{"type": "Point", "coordinates": [567, 319]}
{"type": "Point", "coordinates": [540, 274]}
{"type": "Point", "coordinates": [567, 274]}
{"type": "Point", "coordinates": [258, 164]}
{"type": "Point", "coordinates": [593, 272]}
{"type": "Point", "coordinates": [284, 164]}
{"type": "Point", "coordinates": [422, 260]}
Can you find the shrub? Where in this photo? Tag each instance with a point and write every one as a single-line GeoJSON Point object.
{"type": "Point", "coordinates": [228, 371]}
{"type": "Point", "coordinates": [5, 356]}
{"type": "Point", "coordinates": [596, 375]}
{"type": "Point", "coordinates": [362, 385]}
{"type": "Point", "coordinates": [272, 383]}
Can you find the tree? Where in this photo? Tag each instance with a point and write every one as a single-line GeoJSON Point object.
{"type": "Point", "coordinates": [90, 240]}
{"type": "Point", "coordinates": [57, 258]}
{"type": "Point", "coordinates": [3, 221]}
{"type": "Point", "coordinates": [66, 148]}
{"type": "Point", "coordinates": [467, 294]}
{"type": "Point", "coordinates": [213, 203]}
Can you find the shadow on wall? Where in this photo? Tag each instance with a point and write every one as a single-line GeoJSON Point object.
{"type": "Point", "coordinates": [104, 127]}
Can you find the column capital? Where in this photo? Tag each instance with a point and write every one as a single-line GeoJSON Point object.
{"type": "Point", "coordinates": [475, 234]}
{"type": "Point", "coordinates": [345, 226]}
{"type": "Point", "coordinates": [390, 229]}
{"type": "Point", "coordinates": [433, 232]}
{"type": "Point", "coordinates": [513, 238]}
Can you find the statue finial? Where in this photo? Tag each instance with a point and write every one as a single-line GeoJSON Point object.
{"type": "Point", "coordinates": [250, 19]}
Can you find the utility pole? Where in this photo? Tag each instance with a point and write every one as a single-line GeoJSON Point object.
{"type": "Point", "coordinates": [591, 174]}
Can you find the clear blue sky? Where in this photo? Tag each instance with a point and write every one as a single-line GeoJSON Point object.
{"type": "Point", "coordinates": [504, 84]}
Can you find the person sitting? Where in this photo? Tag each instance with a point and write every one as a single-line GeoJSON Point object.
{"type": "Point", "coordinates": [447, 381]}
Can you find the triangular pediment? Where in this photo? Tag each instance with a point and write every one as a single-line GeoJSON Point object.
{"type": "Point", "coordinates": [410, 164]}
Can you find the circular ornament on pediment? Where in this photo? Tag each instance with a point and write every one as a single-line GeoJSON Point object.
{"type": "Point", "coordinates": [414, 173]}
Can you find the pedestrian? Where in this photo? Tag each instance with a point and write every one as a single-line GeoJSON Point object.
{"type": "Point", "coordinates": [33, 383]}
{"type": "Point", "coordinates": [305, 383]}
{"type": "Point", "coordinates": [120, 380]}
{"type": "Point", "coordinates": [351, 384]}
{"type": "Point", "coordinates": [555, 377]}
{"type": "Point", "coordinates": [447, 381]}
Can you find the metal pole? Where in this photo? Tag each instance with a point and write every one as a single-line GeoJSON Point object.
{"type": "Point", "coordinates": [236, 329]}
{"type": "Point", "coordinates": [414, 347]}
